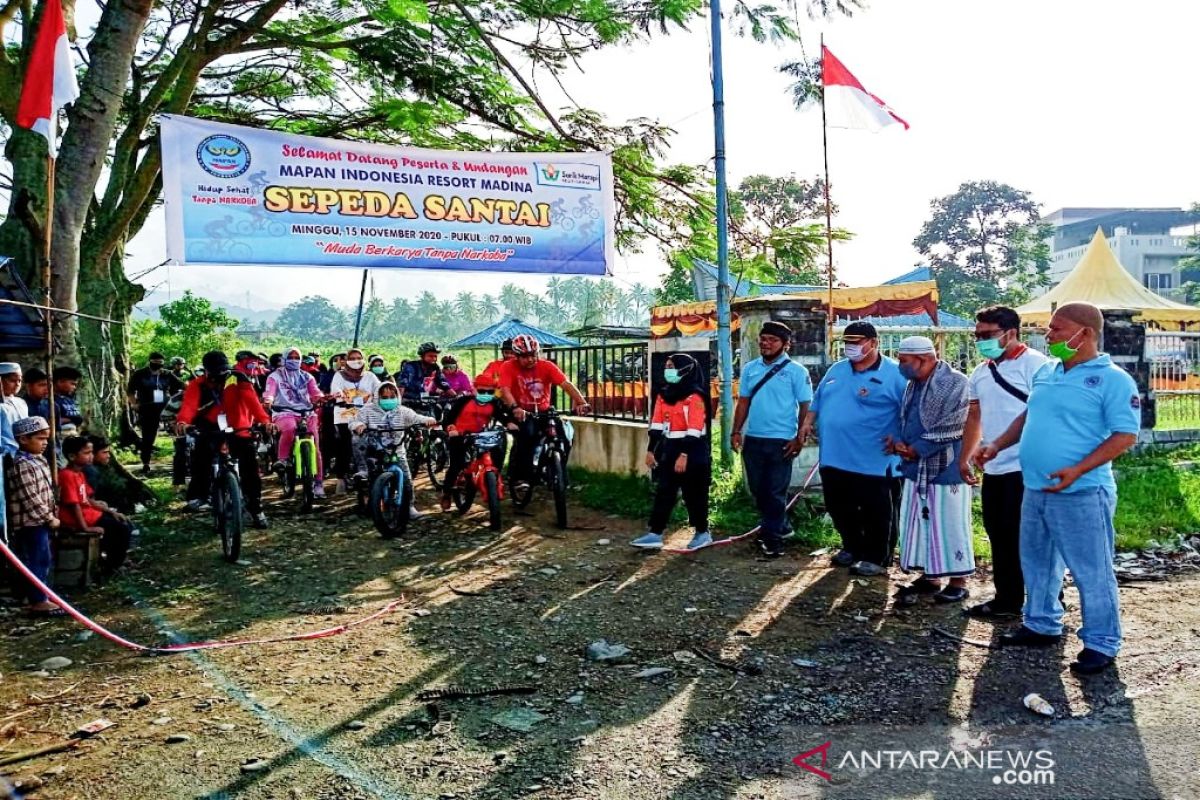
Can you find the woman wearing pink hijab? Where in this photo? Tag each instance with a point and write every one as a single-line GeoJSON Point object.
{"type": "Point", "coordinates": [460, 382]}
{"type": "Point", "coordinates": [290, 392]}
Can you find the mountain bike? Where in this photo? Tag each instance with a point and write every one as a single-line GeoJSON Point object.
{"type": "Point", "coordinates": [549, 462]}
{"type": "Point", "coordinates": [386, 491]}
{"type": "Point", "coordinates": [427, 446]}
{"type": "Point", "coordinates": [480, 475]}
{"type": "Point", "coordinates": [300, 469]}
{"type": "Point", "coordinates": [226, 492]}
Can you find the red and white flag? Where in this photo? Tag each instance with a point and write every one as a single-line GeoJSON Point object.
{"type": "Point", "coordinates": [847, 103]}
{"type": "Point", "coordinates": [50, 80]}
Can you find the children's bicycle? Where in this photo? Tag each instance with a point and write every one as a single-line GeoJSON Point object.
{"type": "Point", "coordinates": [386, 491]}
{"type": "Point", "coordinates": [480, 476]}
{"type": "Point", "coordinates": [300, 469]}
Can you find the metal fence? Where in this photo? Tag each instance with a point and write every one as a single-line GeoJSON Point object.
{"type": "Point", "coordinates": [613, 377]}
{"type": "Point", "coordinates": [1174, 360]}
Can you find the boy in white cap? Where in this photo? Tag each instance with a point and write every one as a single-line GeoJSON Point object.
{"type": "Point", "coordinates": [935, 507]}
{"type": "Point", "coordinates": [15, 408]}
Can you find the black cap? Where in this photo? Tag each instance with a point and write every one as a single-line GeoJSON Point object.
{"type": "Point", "coordinates": [215, 362]}
{"type": "Point", "coordinates": [506, 344]}
{"type": "Point", "coordinates": [156, 357]}
{"type": "Point", "coordinates": [864, 329]}
{"type": "Point", "coordinates": [777, 329]}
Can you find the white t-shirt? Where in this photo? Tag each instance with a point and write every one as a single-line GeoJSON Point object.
{"type": "Point", "coordinates": [15, 409]}
{"type": "Point", "coordinates": [998, 408]}
{"type": "Point", "coordinates": [358, 394]}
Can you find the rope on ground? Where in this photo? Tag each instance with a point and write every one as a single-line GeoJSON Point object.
{"type": "Point", "coordinates": [753, 531]}
{"type": "Point", "coordinates": [184, 647]}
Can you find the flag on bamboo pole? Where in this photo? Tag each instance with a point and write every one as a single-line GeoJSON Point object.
{"type": "Point", "coordinates": [847, 103]}
{"type": "Point", "coordinates": [50, 79]}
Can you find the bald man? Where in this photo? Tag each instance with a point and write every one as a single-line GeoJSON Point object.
{"type": "Point", "coordinates": [1083, 412]}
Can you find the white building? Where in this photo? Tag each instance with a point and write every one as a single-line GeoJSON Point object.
{"type": "Point", "coordinates": [1149, 242]}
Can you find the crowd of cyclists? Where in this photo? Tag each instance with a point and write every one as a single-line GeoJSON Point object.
{"type": "Point", "coordinates": [357, 418]}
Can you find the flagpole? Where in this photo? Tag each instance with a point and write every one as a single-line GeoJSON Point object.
{"type": "Point", "coordinates": [724, 335]}
{"type": "Point", "coordinates": [362, 295]}
{"type": "Point", "coordinates": [47, 276]}
{"type": "Point", "coordinates": [828, 211]}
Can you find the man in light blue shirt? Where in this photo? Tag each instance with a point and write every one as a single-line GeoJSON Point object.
{"type": "Point", "coordinates": [855, 409]}
{"type": "Point", "coordinates": [775, 393]}
{"type": "Point", "coordinates": [1083, 412]}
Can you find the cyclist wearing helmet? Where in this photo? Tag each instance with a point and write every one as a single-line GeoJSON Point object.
{"type": "Point", "coordinates": [525, 385]}
{"type": "Point", "coordinates": [422, 378]}
{"type": "Point", "coordinates": [459, 381]}
{"type": "Point", "coordinates": [471, 414]}
{"type": "Point", "coordinates": [179, 369]}
{"type": "Point", "coordinates": [249, 364]}
{"type": "Point", "coordinates": [223, 397]}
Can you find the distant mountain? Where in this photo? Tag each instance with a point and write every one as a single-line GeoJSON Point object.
{"type": "Point", "coordinates": [235, 306]}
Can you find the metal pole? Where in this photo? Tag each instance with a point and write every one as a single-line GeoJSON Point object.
{"type": "Point", "coordinates": [47, 278]}
{"type": "Point", "coordinates": [362, 294]}
{"type": "Point", "coordinates": [724, 339]}
{"type": "Point", "coordinates": [828, 211]}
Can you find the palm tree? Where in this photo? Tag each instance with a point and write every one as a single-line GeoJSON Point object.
{"type": "Point", "coordinates": [400, 316]}
{"type": "Point", "coordinates": [489, 309]}
{"type": "Point", "coordinates": [514, 299]}
{"type": "Point", "coordinates": [466, 308]}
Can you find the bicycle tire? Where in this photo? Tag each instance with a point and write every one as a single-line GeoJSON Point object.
{"type": "Point", "coordinates": [390, 517]}
{"type": "Point", "coordinates": [306, 475]}
{"type": "Point", "coordinates": [227, 514]}
{"type": "Point", "coordinates": [463, 493]}
{"type": "Point", "coordinates": [491, 485]}
{"type": "Point", "coordinates": [558, 484]}
{"type": "Point", "coordinates": [438, 461]}
{"type": "Point", "coordinates": [287, 478]}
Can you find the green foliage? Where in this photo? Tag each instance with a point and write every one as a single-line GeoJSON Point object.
{"type": "Point", "coordinates": [314, 318]}
{"type": "Point", "coordinates": [187, 327]}
{"type": "Point", "coordinates": [985, 246]}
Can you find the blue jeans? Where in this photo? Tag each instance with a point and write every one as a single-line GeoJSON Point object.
{"type": "Point", "coordinates": [33, 548]}
{"type": "Point", "coordinates": [1072, 531]}
{"type": "Point", "coordinates": [768, 474]}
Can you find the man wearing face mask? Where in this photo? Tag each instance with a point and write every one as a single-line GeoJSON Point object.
{"type": "Point", "coordinates": [422, 378]}
{"type": "Point", "coordinates": [1083, 412]}
{"type": "Point", "coordinates": [775, 393]}
{"type": "Point", "coordinates": [149, 389]}
{"type": "Point", "coordinates": [997, 393]}
{"type": "Point", "coordinates": [855, 409]}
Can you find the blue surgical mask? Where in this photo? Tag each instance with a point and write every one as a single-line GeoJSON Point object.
{"type": "Point", "coordinates": [389, 403]}
{"type": "Point", "coordinates": [485, 397]}
{"type": "Point", "coordinates": [671, 375]}
{"type": "Point", "coordinates": [291, 363]}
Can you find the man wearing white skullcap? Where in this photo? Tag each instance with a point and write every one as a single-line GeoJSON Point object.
{"type": "Point", "coordinates": [13, 407]}
{"type": "Point", "coordinates": [935, 506]}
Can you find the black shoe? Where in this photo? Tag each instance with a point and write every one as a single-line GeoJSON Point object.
{"type": "Point", "coordinates": [770, 550]}
{"type": "Point", "coordinates": [146, 470]}
{"type": "Point", "coordinates": [992, 610]}
{"type": "Point", "coordinates": [952, 594]}
{"type": "Point", "coordinates": [1090, 662]}
{"type": "Point", "coordinates": [844, 558]}
{"type": "Point", "coordinates": [1023, 637]}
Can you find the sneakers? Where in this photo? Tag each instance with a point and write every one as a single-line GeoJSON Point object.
{"type": "Point", "coordinates": [445, 501]}
{"type": "Point", "coordinates": [651, 541]}
{"type": "Point", "coordinates": [413, 513]}
{"type": "Point", "coordinates": [319, 490]}
{"type": "Point", "coordinates": [844, 558]}
{"type": "Point", "coordinates": [700, 540]}
{"type": "Point", "coordinates": [770, 550]}
{"type": "Point", "coordinates": [867, 569]}
{"type": "Point", "coordinates": [1090, 662]}
{"type": "Point", "coordinates": [259, 520]}
{"type": "Point", "coordinates": [197, 505]}
{"type": "Point", "coordinates": [359, 476]}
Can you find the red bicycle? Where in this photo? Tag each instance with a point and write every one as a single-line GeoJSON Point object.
{"type": "Point", "coordinates": [480, 476]}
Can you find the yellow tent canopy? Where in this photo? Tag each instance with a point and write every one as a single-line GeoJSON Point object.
{"type": "Point", "coordinates": [1100, 279]}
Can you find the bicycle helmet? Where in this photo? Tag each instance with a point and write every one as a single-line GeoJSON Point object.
{"type": "Point", "coordinates": [525, 344]}
{"type": "Point", "coordinates": [427, 347]}
{"type": "Point", "coordinates": [215, 362]}
{"type": "Point", "coordinates": [178, 362]}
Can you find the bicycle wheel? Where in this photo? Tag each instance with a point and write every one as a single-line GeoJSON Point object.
{"type": "Point", "coordinates": [307, 457]}
{"type": "Point", "coordinates": [491, 484]}
{"type": "Point", "coordinates": [288, 477]}
{"type": "Point", "coordinates": [439, 459]}
{"type": "Point", "coordinates": [227, 513]}
{"type": "Point", "coordinates": [389, 504]}
{"type": "Point", "coordinates": [463, 493]}
{"type": "Point", "coordinates": [557, 475]}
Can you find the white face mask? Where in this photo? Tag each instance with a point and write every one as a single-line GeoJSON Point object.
{"type": "Point", "coordinates": [856, 352]}
{"type": "Point", "coordinates": [355, 364]}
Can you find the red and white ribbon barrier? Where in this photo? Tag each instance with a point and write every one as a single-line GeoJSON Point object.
{"type": "Point", "coordinates": [189, 646]}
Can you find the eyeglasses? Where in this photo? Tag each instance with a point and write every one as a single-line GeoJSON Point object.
{"type": "Point", "coordinates": [979, 337]}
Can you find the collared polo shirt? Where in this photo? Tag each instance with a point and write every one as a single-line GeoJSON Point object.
{"type": "Point", "coordinates": [775, 408]}
{"type": "Point", "coordinates": [998, 407]}
{"type": "Point", "coordinates": [1070, 413]}
{"type": "Point", "coordinates": [855, 412]}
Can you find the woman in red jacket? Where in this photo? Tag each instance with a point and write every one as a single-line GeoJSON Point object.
{"type": "Point", "coordinates": [678, 454]}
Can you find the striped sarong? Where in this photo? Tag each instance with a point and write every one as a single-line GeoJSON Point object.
{"type": "Point", "coordinates": [938, 541]}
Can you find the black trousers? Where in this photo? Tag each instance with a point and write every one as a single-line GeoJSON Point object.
{"type": "Point", "coordinates": [866, 512]}
{"type": "Point", "coordinates": [242, 449]}
{"type": "Point", "coordinates": [343, 451]}
{"type": "Point", "coordinates": [1002, 496]}
{"type": "Point", "coordinates": [694, 483]}
{"type": "Point", "coordinates": [114, 544]}
{"type": "Point", "coordinates": [525, 440]}
{"type": "Point", "coordinates": [149, 416]}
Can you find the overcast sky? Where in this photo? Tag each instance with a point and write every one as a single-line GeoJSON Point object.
{"type": "Point", "coordinates": [1081, 102]}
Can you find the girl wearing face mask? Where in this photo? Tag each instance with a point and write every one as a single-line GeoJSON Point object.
{"type": "Point", "coordinates": [290, 392]}
{"type": "Point", "coordinates": [376, 365]}
{"type": "Point", "coordinates": [353, 388]}
{"type": "Point", "coordinates": [390, 419]}
{"type": "Point", "coordinates": [471, 413]}
{"type": "Point", "coordinates": [678, 453]}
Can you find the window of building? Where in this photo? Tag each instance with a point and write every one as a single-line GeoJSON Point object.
{"type": "Point", "coordinates": [1158, 281]}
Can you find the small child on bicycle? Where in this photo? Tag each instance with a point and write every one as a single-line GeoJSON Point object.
{"type": "Point", "coordinates": [471, 414]}
{"type": "Point", "coordinates": [385, 413]}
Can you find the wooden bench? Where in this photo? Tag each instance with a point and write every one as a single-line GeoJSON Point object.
{"type": "Point", "coordinates": [76, 560]}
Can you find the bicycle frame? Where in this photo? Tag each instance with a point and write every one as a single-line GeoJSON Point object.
{"type": "Point", "coordinates": [304, 435]}
{"type": "Point", "coordinates": [478, 467]}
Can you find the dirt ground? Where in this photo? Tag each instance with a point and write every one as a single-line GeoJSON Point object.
{"type": "Point", "coordinates": [808, 656]}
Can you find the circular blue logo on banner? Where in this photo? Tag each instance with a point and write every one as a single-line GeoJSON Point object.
{"type": "Point", "coordinates": [223, 156]}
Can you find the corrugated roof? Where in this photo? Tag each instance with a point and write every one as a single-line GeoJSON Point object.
{"type": "Point", "coordinates": [21, 329]}
{"type": "Point", "coordinates": [509, 328]}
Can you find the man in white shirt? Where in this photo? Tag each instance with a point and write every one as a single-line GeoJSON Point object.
{"type": "Point", "coordinates": [12, 406]}
{"type": "Point", "coordinates": [997, 393]}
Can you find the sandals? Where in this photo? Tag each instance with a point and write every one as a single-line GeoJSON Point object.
{"type": "Point", "coordinates": [45, 613]}
{"type": "Point", "coordinates": [908, 595]}
{"type": "Point", "coordinates": [952, 594]}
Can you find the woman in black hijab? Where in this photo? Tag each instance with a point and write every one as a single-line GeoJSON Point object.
{"type": "Point", "coordinates": [678, 453]}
